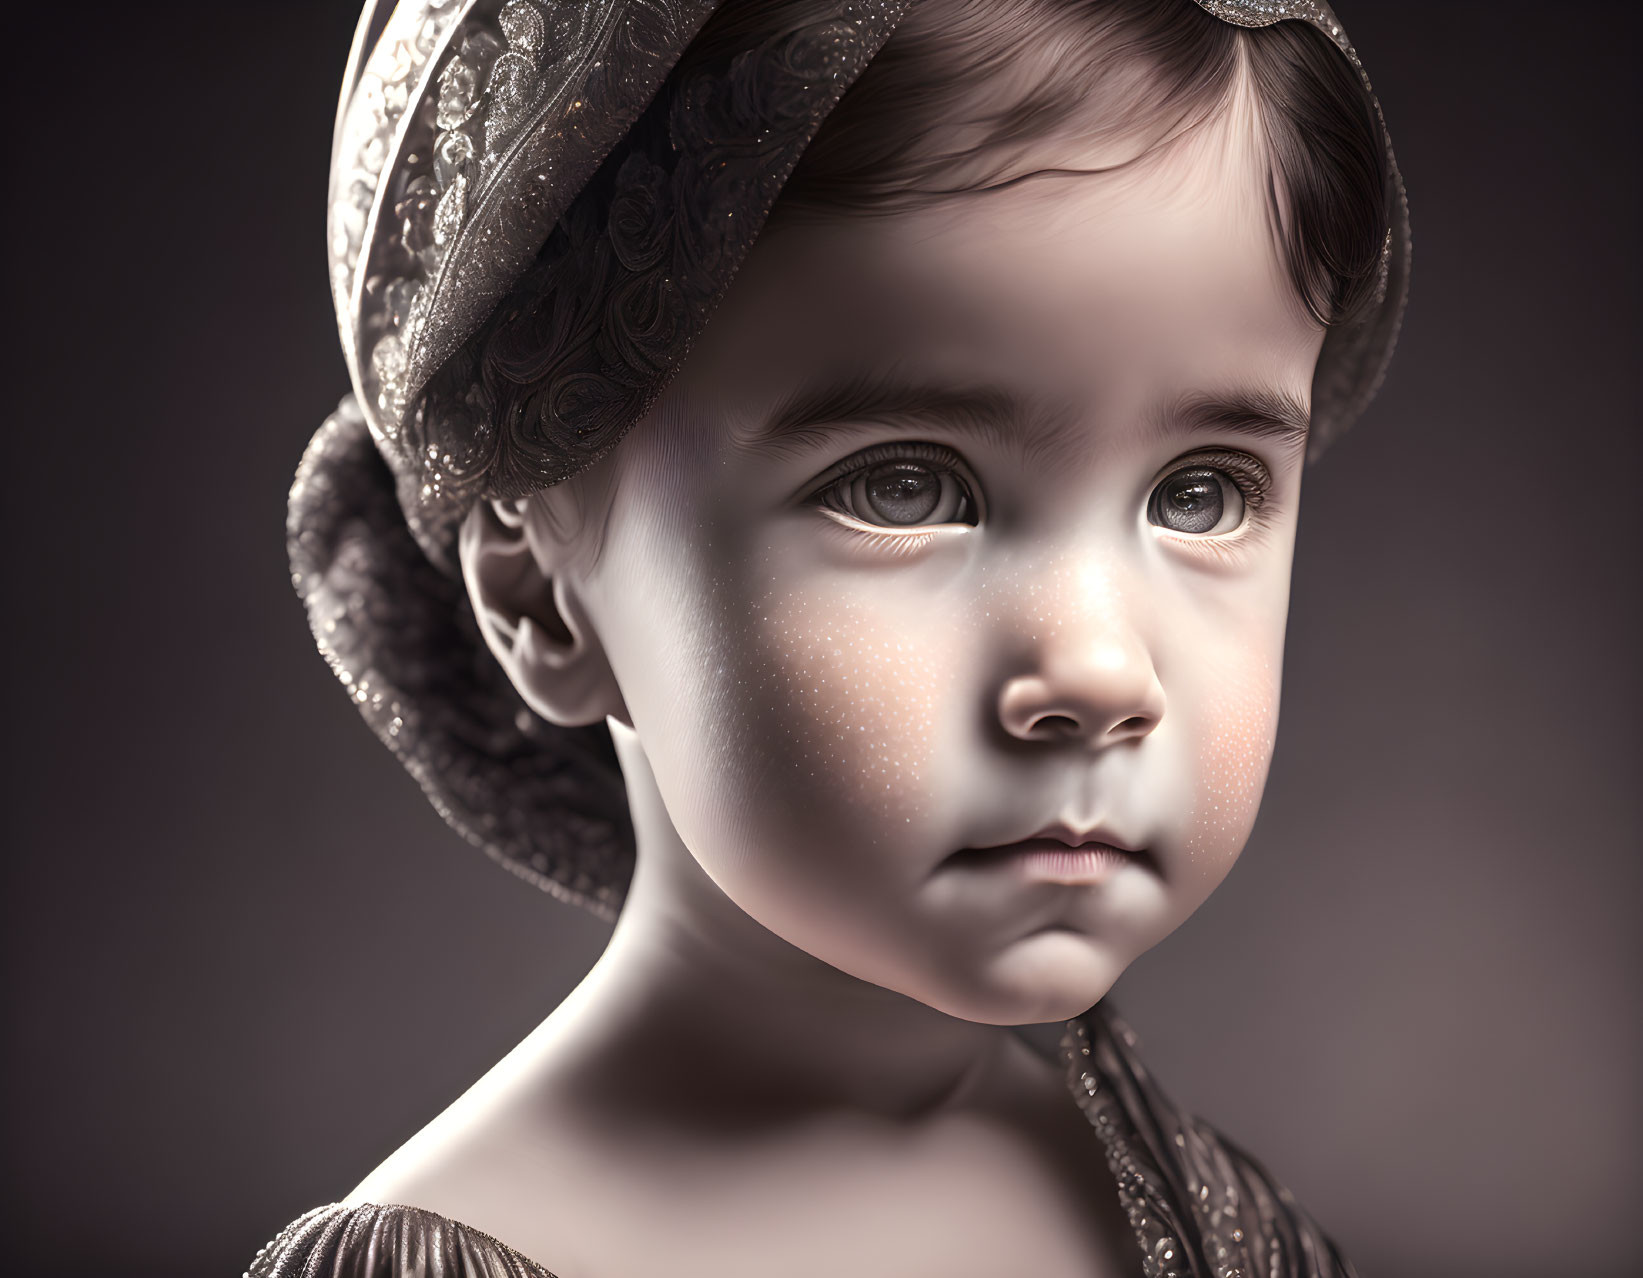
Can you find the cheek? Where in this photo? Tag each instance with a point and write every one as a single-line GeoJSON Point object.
{"type": "Point", "coordinates": [1233, 672]}
{"type": "Point", "coordinates": [792, 720]}
{"type": "Point", "coordinates": [1236, 728]}
{"type": "Point", "coordinates": [856, 691]}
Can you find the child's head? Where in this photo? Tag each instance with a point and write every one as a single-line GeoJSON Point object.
{"type": "Point", "coordinates": [970, 515]}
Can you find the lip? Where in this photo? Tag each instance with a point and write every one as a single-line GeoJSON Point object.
{"type": "Point", "coordinates": [1056, 854]}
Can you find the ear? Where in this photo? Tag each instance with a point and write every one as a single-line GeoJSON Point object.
{"type": "Point", "coordinates": [527, 601]}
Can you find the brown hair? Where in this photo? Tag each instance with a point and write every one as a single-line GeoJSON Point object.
{"type": "Point", "coordinates": [914, 122]}
{"type": "Point", "coordinates": [952, 101]}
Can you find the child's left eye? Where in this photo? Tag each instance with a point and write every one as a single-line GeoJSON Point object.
{"type": "Point", "coordinates": [1210, 494]}
{"type": "Point", "coordinates": [901, 487]}
{"type": "Point", "coordinates": [1197, 500]}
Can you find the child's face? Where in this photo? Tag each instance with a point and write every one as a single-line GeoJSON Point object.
{"type": "Point", "coordinates": [899, 568]}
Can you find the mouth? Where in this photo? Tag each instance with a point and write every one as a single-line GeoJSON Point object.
{"type": "Point", "coordinates": [1055, 855]}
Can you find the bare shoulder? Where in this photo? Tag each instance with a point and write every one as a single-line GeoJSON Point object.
{"type": "Point", "coordinates": [582, 1191]}
{"type": "Point", "coordinates": [520, 1173]}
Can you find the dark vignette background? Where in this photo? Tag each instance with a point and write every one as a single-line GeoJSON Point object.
{"type": "Point", "coordinates": [243, 960]}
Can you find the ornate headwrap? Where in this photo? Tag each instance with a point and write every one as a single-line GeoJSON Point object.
{"type": "Point", "coordinates": [545, 156]}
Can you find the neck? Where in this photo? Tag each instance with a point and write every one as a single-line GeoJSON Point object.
{"type": "Point", "coordinates": [737, 1023]}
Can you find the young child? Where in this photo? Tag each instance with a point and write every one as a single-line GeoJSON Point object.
{"type": "Point", "coordinates": [908, 490]}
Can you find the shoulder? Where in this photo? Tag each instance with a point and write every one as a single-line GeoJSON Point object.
{"type": "Point", "coordinates": [370, 1240]}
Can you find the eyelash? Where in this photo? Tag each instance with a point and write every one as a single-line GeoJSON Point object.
{"type": "Point", "coordinates": [936, 456]}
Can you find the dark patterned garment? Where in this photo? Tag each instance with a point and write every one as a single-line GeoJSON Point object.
{"type": "Point", "coordinates": [1199, 1205]}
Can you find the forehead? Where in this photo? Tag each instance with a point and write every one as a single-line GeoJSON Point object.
{"type": "Point", "coordinates": [1109, 293]}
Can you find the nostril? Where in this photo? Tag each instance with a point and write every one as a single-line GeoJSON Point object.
{"type": "Point", "coordinates": [1054, 725]}
{"type": "Point", "coordinates": [1135, 723]}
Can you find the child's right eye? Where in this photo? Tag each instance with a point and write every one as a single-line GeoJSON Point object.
{"type": "Point", "coordinates": [901, 486]}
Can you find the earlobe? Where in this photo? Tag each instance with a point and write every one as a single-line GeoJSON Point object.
{"type": "Point", "coordinates": [525, 599]}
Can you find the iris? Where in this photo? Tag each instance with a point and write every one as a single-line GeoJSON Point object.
{"type": "Point", "coordinates": [1198, 500]}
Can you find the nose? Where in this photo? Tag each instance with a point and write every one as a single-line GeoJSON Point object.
{"type": "Point", "coordinates": [1085, 688]}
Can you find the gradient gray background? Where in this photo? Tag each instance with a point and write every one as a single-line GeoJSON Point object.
{"type": "Point", "coordinates": [244, 960]}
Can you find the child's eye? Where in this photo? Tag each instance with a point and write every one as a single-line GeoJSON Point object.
{"type": "Point", "coordinates": [1203, 500]}
{"type": "Point", "coordinates": [1197, 500]}
{"type": "Point", "coordinates": [901, 486]}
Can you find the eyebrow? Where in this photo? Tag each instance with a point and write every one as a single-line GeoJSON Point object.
{"type": "Point", "coordinates": [1255, 412]}
{"type": "Point", "coordinates": [1042, 430]}
{"type": "Point", "coordinates": [809, 415]}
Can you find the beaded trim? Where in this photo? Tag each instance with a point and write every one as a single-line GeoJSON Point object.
{"type": "Point", "coordinates": [1199, 1206]}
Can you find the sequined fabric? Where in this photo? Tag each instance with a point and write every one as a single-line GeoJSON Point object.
{"type": "Point", "coordinates": [399, 634]}
{"type": "Point", "coordinates": [386, 1242]}
{"type": "Point", "coordinates": [1198, 1205]}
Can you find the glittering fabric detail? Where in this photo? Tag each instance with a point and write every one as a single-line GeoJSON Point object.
{"type": "Point", "coordinates": [400, 635]}
{"type": "Point", "coordinates": [372, 1241]}
{"type": "Point", "coordinates": [1198, 1205]}
{"type": "Point", "coordinates": [534, 172]}
{"type": "Point", "coordinates": [385, 80]}
{"type": "Point", "coordinates": [572, 79]}
{"type": "Point", "coordinates": [610, 309]}
{"type": "Point", "coordinates": [522, 103]}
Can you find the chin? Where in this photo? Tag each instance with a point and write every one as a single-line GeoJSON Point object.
{"type": "Point", "coordinates": [1053, 975]}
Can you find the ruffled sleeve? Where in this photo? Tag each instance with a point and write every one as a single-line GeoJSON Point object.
{"type": "Point", "coordinates": [372, 1241]}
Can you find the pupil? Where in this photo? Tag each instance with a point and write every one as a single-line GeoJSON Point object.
{"type": "Point", "coordinates": [1192, 503]}
{"type": "Point", "coordinates": [903, 494]}
{"type": "Point", "coordinates": [1191, 496]}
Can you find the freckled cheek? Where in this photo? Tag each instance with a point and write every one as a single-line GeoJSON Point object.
{"type": "Point", "coordinates": [855, 686]}
{"type": "Point", "coordinates": [1233, 739]}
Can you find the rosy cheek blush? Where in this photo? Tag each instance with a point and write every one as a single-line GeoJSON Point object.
{"type": "Point", "coordinates": [858, 697]}
{"type": "Point", "coordinates": [1235, 738]}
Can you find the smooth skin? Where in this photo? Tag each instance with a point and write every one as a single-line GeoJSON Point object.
{"type": "Point", "coordinates": [885, 576]}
